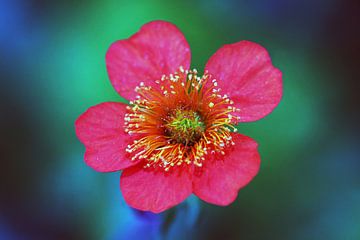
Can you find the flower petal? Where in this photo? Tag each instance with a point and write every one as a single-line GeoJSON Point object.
{"type": "Point", "coordinates": [154, 189]}
{"type": "Point", "coordinates": [158, 48]}
{"type": "Point", "coordinates": [248, 77]}
{"type": "Point", "coordinates": [101, 130]}
{"type": "Point", "coordinates": [219, 179]}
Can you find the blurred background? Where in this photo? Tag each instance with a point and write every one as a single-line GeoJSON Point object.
{"type": "Point", "coordinates": [53, 68]}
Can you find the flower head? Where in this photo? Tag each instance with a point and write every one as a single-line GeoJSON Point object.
{"type": "Point", "coordinates": [177, 136]}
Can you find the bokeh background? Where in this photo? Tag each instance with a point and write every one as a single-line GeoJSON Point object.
{"type": "Point", "coordinates": [53, 68]}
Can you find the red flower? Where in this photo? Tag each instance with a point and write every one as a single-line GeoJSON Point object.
{"type": "Point", "coordinates": [177, 136]}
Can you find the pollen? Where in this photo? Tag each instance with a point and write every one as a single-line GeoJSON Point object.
{"type": "Point", "coordinates": [180, 120]}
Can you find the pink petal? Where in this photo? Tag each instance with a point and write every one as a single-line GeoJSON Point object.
{"type": "Point", "coordinates": [101, 130]}
{"type": "Point", "coordinates": [220, 178]}
{"type": "Point", "coordinates": [157, 48]}
{"type": "Point", "coordinates": [246, 74]}
{"type": "Point", "coordinates": [154, 189]}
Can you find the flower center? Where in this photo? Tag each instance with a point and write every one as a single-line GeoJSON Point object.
{"type": "Point", "coordinates": [185, 126]}
{"type": "Point", "coordinates": [178, 120]}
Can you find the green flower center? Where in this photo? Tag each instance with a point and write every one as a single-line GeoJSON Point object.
{"type": "Point", "coordinates": [185, 126]}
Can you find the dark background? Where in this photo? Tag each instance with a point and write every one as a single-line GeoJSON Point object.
{"type": "Point", "coordinates": [53, 68]}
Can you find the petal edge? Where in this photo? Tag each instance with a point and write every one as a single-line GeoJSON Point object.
{"type": "Point", "coordinates": [245, 72]}
{"type": "Point", "coordinates": [155, 190]}
{"type": "Point", "coordinates": [220, 178]}
{"type": "Point", "coordinates": [101, 130]}
{"type": "Point", "coordinates": [158, 48]}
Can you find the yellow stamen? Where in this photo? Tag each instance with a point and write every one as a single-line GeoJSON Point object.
{"type": "Point", "coordinates": [173, 122]}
